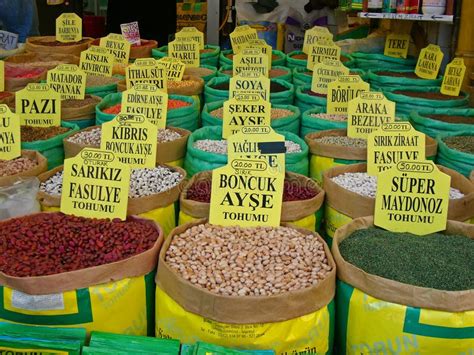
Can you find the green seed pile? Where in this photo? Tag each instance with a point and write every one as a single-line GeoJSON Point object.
{"type": "Point", "coordinates": [461, 143]}
{"type": "Point", "coordinates": [342, 141]}
{"type": "Point", "coordinates": [439, 261]}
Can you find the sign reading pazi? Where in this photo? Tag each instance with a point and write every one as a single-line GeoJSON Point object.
{"type": "Point", "coordinates": [38, 105]}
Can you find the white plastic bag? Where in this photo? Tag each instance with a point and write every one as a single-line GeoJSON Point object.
{"type": "Point", "coordinates": [19, 198]}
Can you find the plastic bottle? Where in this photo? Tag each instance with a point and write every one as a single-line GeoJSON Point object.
{"type": "Point", "coordinates": [389, 6]}
{"type": "Point", "coordinates": [434, 7]}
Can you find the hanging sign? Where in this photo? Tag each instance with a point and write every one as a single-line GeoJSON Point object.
{"type": "Point", "coordinates": [174, 68]}
{"type": "Point", "coordinates": [38, 106]}
{"type": "Point", "coordinates": [2, 75]}
{"type": "Point", "coordinates": [322, 50]}
{"type": "Point", "coordinates": [248, 84]}
{"type": "Point", "coordinates": [412, 197]}
{"type": "Point", "coordinates": [453, 77]}
{"type": "Point", "coordinates": [97, 61]}
{"type": "Point", "coordinates": [396, 45]}
{"type": "Point", "coordinates": [251, 59]}
{"type": "Point", "coordinates": [326, 72]}
{"type": "Point", "coordinates": [68, 28]}
{"type": "Point", "coordinates": [240, 37]}
{"type": "Point", "coordinates": [146, 70]}
{"type": "Point", "coordinates": [132, 139]}
{"type": "Point", "coordinates": [147, 100]}
{"type": "Point", "coordinates": [239, 112]}
{"type": "Point", "coordinates": [8, 40]}
{"type": "Point", "coordinates": [190, 33]}
{"type": "Point", "coordinates": [391, 143]}
{"type": "Point", "coordinates": [10, 137]}
{"type": "Point", "coordinates": [248, 191]}
{"type": "Point", "coordinates": [429, 62]}
{"type": "Point", "coordinates": [68, 81]}
{"type": "Point", "coordinates": [118, 46]}
{"type": "Point", "coordinates": [367, 112]}
{"type": "Point", "coordinates": [314, 35]}
{"type": "Point", "coordinates": [131, 32]}
{"type": "Point", "coordinates": [95, 185]}
{"type": "Point", "coordinates": [186, 50]}
{"type": "Point", "coordinates": [343, 90]}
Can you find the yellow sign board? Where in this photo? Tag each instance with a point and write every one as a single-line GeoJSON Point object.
{"type": "Point", "coordinates": [38, 351]}
{"type": "Point", "coordinates": [240, 113]}
{"type": "Point", "coordinates": [68, 28]}
{"type": "Point", "coordinates": [453, 77]}
{"type": "Point", "coordinates": [412, 197]}
{"type": "Point", "coordinates": [97, 61]}
{"type": "Point", "coordinates": [261, 45]}
{"type": "Point", "coordinates": [251, 59]}
{"type": "Point", "coordinates": [248, 84]}
{"type": "Point", "coordinates": [146, 70]}
{"type": "Point", "coordinates": [118, 46]}
{"type": "Point", "coordinates": [2, 75]}
{"type": "Point", "coordinates": [367, 112]}
{"type": "Point", "coordinates": [314, 35]}
{"type": "Point", "coordinates": [191, 33]}
{"type": "Point", "coordinates": [174, 68]}
{"type": "Point", "coordinates": [391, 143]}
{"type": "Point", "coordinates": [68, 81]}
{"type": "Point", "coordinates": [95, 185]}
{"type": "Point", "coordinates": [240, 37]}
{"type": "Point", "coordinates": [132, 139]}
{"type": "Point", "coordinates": [429, 62]}
{"type": "Point", "coordinates": [343, 90]}
{"type": "Point", "coordinates": [10, 137]}
{"type": "Point", "coordinates": [186, 50]}
{"type": "Point", "coordinates": [146, 100]}
{"type": "Point", "coordinates": [326, 72]}
{"type": "Point", "coordinates": [396, 45]}
{"type": "Point", "coordinates": [248, 191]}
{"type": "Point", "coordinates": [322, 50]}
{"type": "Point", "coordinates": [38, 106]}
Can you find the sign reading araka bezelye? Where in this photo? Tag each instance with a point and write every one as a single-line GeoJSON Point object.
{"type": "Point", "coordinates": [248, 191]}
{"type": "Point", "coordinates": [10, 138]}
{"type": "Point", "coordinates": [38, 105]}
{"type": "Point", "coordinates": [95, 185]}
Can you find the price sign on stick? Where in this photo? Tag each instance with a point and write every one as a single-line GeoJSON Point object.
{"type": "Point", "coordinates": [68, 28]}
{"type": "Point", "coordinates": [241, 36]}
{"type": "Point", "coordinates": [251, 59]}
{"type": "Point", "coordinates": [248, 84]}
{"type": "Point", "coordinates": [174, 68]}
{"type": "Point", "coordinates": [118, 46]}
{"type": "Point", "coordinates": [314, 35]}
{"type": "Point", "coordinates": [10, 138]}
{"type": "Point", "coordinates": [343, 90]}
{"type": "Point", "coordinates": [146, 70]}
{"type": "Point", "coordinates": [396, 45]}
{"type": "Point", "coordinates": [186, 50]}
{"type": "Point", "coordinates": [38, 105]}
{"type": "Point", "coordinates": [326, 72]}
{"type": "Point", "coordinates": [68, 81]}
{"type": "Point", "coordinates": [453, 77]}
{"type": "Point", "coordinates": [97, 61]}
{"type": "Point", "coordinates": [429, 62]}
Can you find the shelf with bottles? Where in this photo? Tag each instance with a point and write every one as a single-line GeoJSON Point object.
{"type": "Point", "coordinates": [408, 17]}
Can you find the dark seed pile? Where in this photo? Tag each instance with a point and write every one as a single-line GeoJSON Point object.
{"type": "Point", "coordinates": [462, 143]}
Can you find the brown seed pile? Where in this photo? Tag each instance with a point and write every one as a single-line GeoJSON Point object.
{"type": "Point", "coordinates": [93, 80]}
{"type": "Point", "coordinates": [88, 100]}
{"type": "Point", "coordinates": [330, 117]}
{"type": "Point", "coordinates": [236, 261]}
{"type": "Point", "coordinates": [32, 134]}
{"type": "Point", "coordinates": [461, 143]}
{"type": "Point", "coordinates": [342, 141]}
{"type": "Point", "coordinates": [16, 166]}
{"type": "Point", "coordinates": [183, 84]}
{"type": "Point", "coordinates": [276, 113]}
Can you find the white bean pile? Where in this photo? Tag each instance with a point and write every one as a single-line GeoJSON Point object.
{"type": "Point", "coordinates": [219, 146]}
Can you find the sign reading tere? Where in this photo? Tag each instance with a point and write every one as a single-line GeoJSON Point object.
{"type": "Point", "coordinates": [68, 81]}
{"type": "Point", "coordinates": [10, 138]}
{"type": "Point", "coordinates": [38, 105]}
{"type": "Point", "coordinates": [396, 45]}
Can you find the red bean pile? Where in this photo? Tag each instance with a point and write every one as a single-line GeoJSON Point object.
{"type": "Point", "coordinates": [52, 243]}
{"type": "Point", "coordinates": [200, 191]}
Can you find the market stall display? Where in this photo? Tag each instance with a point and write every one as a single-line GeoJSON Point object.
{"type": "Point", "coordinates": [49, 44]}
{"type": "Point", "coordinates": [278, 72]}
{"type": "Point", "coordinates": [80, 112]}
{"type": "Point", "coordinates": [433, 121]}
{"type": "Point", "coordinates": [226, 57]}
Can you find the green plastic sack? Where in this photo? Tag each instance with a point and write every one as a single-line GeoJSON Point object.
{"type": "Point", "coordinates": [306, 101]}
{"type": "Point", "coordinates": [280, 59]}
{"type": "Point", "coordinates": [202, 348]}
{"type": "Point", "coordinates": [288, 124]}
{"type": "Point", "coordinates": [311, 124]}
{"type": "Point", "coordinates": [108, 101]}
{"type": "Point", "coordinates": [83, 123]}
{"type": "Point", "coordinates": [287, 77]}
{"type": "Point", "coordinates": [368, 61]}
{"type": "Point", "coordinates": [383, 81]}
{"type": "Point", "coordinates": [211, 94]}
{"type": "Point", "coordinates": [462, 162]}
{"type": "Point", "coordinates": [207, 58]}
{"type": "Point", "coordinates": [184, 117]}
{"type": "Point", "coordinates": [52, 148]}
{"type": "Point", "coordinates": [197, 160]}
{"type": "Point", "coordinates": [103, 90]}
{"type": "Point", "coordinates": [302, 77]}
{"type": "Point", "coordinates": [405, 104]}
{"type": "Point", "coordinates": [433, 127]}
{"type": "Point", "coordinates": [292, 62]}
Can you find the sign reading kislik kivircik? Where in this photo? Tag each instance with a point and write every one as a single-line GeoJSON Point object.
{"type": "Point", "coordinates": [97, 61]}
{"type": "Point", "coordinates": [10, 138]}
{"type": "Point", "coordinates": [248, 84]}
{"type": "Point", "coordinates": [38, 105]}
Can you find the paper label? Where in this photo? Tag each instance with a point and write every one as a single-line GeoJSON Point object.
{"type": "Point", "coordinates": [326, 72]}
{"type": "Point", "coordinates": [314, 35]}
{"type": "Point", "coordinates": [38, 105]}
{"type": "Point", "coordinates": [8, 40]}
{"type": "Point", "coordinates": [391, 143]}
{"type": "Point", "coordinates": [131, 32]}
{"type": "Point", "coordinates": [412, 197]}
{"type": "Point", "coordinates": [261, 45]}
{"type": "Point", "coordinates": [186, 50]}
{"type": "Point", "coordinates": [453, 77]}
{"type": "Point", "coordinates": [97, 61]}
{"type": "Point", "coordinates": [429, 62]}
{"type": "Point", "coordinates": [322, 50]}
{"type": "Point", "coordinates": [174, 68]}
{"type": "Point", "coordinates": [146, 71]}
{"type": "Point", "coordinates": [396, 45]}
{"type": "Point", "coordinates": [23, 351]}
{"type": "Point", "coordinates": [2, 75]}
{"type": "Point", "coordinates": [367, 112]}
{"type": "Point", "coordinates": [118, 46]}
{"type": "Point", "coordinates": [95, 185]}
{"type": "Point", "coordinates": [10, 137]}
{"type": "Point", "coordinates": [190, 34]}
{"type": "Point", "coordinates": [248, 191]}
{"type": "Point", "coordinates": [239, 113]}
{"type": "Point", "coordinates": [132, 139]}
{"type": "Point", "coordinates": [250, 59]}
{"type": "Point", "coordinates": [343, 90]}
{"type": "Point", "coordinates": [240, 37]}
{"type": "Point", "coordinates": [248, 84]}
{"type": "Point", "coordinates": [68, 81]}
{"type": "Point", "coordinates": [68, 28]}
{"type": "Point", "coordinates": [146, 100]}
